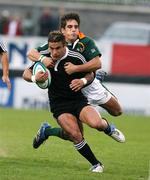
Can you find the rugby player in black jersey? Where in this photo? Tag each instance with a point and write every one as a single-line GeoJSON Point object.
{"type": "Point", "coordinates": [70, 107]}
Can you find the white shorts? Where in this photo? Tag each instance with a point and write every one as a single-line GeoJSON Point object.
{"type": "Point", "coordinates": [96, 93]}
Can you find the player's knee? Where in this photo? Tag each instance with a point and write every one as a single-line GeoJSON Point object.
{"type": "Point", "coordinates": [76, 136]}
{"type": "Point", "coordinates": [95, 124]}
{"type": "Point", "coordinates": [116, 112]}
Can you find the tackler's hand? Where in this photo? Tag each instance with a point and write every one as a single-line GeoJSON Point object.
{"type": "Point", "coordinates": [76, 84]}
{"type": "Point", "coordinates": [48, 62]}
{"type": "Point", "coordinates": [70, 68]}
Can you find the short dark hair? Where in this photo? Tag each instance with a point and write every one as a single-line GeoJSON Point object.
{"type": "Point", "coordinates": [56, 36]}
{"type": "Point", "coordinates": [67, 17]}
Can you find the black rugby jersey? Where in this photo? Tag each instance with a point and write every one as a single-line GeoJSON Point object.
{"type": "Point", "coordinates": [59, 87]}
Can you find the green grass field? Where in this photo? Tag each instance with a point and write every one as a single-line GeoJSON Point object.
{"type": "Point", "coordinates": [58, 160]}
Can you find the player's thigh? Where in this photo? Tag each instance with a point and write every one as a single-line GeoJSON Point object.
{"type": "Point", "coordinates": [91, 117]}
{"type": "Point", "coordinates": [69, 124]}
{"type": "Point", "coordinates": [113, 106]}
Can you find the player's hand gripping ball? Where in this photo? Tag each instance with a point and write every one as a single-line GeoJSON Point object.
{"type": "Point", "coordinates": [41, 67]}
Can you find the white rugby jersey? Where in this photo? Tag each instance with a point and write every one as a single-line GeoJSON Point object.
{"type": "Point", "coordinates": [2, 47]}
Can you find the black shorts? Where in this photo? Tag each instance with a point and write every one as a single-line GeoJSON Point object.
{"type": "Point", "coordinates": [73, 107]}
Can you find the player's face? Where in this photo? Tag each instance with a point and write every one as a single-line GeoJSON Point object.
{"type": "Point", "coordinates": [57, 50]}
{"type": "Point", "coordinates": [71, 31]}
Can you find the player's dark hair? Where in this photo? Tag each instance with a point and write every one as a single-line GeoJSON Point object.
{"type": "Point", "coordinates": [67, 17]}
{"type": "Point", "coordinates": [56, 36]}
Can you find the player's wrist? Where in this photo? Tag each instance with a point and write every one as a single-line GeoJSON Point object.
{"type": "Point", "coordinates": [41, 58]}
{"type": "Point", "coordinates": [77, 68]}
{"type": "Point", "coordinates": [84, 81]}
{"type": "Point", "coordinates": [33, 79]}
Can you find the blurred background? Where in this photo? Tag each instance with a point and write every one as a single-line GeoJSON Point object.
{"type": "Point", "coordinates": [120, 28]}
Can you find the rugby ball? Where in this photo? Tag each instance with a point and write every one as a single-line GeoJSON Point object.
{"type": "Point", "coordinates": [41, 67]}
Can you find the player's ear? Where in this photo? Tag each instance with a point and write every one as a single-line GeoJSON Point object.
{"type": "Point", "coordinates": [62, 30]}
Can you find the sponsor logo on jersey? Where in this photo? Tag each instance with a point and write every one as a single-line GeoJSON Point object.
{"type": "Point", "coordinates": [93, 50]}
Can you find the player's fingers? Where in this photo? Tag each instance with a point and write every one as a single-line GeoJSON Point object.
{"type": "Point", "coordinates": [77, 88]}
{"type": "Point", "coordinates": [40, 73]}
{"type": "Point", "coordinates": [8, 85]}
{"type": "Point", "coordinates": [66, 64]}
{"type": "Point", "coordinates": [7, 81]}
{"type": "Point", "coordinates": [45, 76]}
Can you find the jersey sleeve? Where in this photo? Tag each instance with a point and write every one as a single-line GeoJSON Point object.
{"type": "Point", "coordinates": [43, 49]}
{"type": "Point", "coordinates": [90, 50]}
{"type": "Point", "coordinates": [2, 47]}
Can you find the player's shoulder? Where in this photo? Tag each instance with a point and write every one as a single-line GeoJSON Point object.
{"type": "Point", "coordinates": [85, 39]}
{"type": "Point", "coordinates": [76, 54]}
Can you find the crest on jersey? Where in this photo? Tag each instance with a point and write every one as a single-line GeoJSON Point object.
{"type": "Point", "coordinates": [80, 47]}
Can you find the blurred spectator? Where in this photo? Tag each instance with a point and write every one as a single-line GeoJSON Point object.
{"type": "Point", "coordinates": [27, 24]}
{"type": "Point", "coordinates": [4, 20]}
{"type": "Point", "coordinates": [14, 26]}
{"type": "Point", "coordinates": [47, 22]}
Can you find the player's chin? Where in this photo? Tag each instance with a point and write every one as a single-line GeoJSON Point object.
{"type": "Point", "coordinates": [73, 37]}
